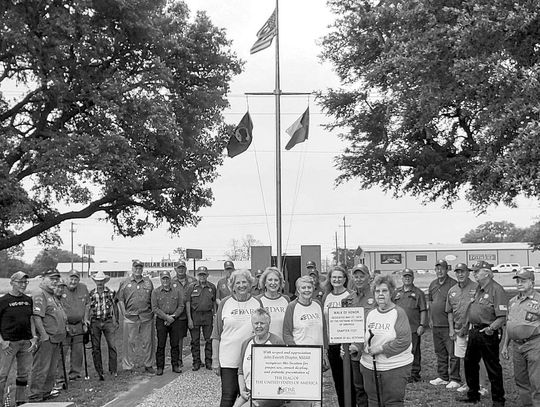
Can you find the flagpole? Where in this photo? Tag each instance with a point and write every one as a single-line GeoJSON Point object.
{"type": "Point", "coordinates": [277, 93]}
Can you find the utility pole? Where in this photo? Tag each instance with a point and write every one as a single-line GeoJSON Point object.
{"type": "Point", "coordinates": [337, 252]}
{"type": "Point", "coordinates": [345, 226]}
{"type": "Point", "coordinates": [72, 231]}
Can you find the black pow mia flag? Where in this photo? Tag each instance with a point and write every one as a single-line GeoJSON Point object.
{"type": "Point", "coordinates": [241, 138]}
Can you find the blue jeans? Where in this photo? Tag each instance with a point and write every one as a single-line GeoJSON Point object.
{"type": "Point", "coordinates": [444, 349]}
{"type": "Point", "coordinates": [107, 328]}
{"type": "Point", "coordinates": [229, 386]}
{"type": "Point", "coordinates": [358, 382]}
{"type": "Point", "coordinates": [17, 350]}
{"type": "Point", "coordinates": [527, 371]}
{"type": "Point", "coordinates": [392, 385]}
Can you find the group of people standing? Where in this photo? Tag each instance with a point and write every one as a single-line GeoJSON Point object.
{"type": "Point", "coordinates": [468, 320]}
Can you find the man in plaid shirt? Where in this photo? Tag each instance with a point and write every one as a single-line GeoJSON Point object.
{"type": "Point", "coordinates": [103, 315]}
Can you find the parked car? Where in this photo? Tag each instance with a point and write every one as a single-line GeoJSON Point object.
{"type": "Point", "coordinates": [530, 268]}
{"type": "Point", "coordinates": [506, 268]}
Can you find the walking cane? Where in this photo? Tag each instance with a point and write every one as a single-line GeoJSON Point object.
{"type": "Point", "coordinates": [375, 372]}
{"type": "Point", "coordinates": [85, 341]}
{"type": "Point", "coordinates": [64, 365]}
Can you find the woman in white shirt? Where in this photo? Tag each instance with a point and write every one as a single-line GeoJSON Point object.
{"type": "Point", "coordinates": [232, 326]}
{"type": "Point", "coordinates": [271, 284]}
{"type": "Point", "coordinates": [389, 347]}
{"type": "Point", "coordinates": [335, 292]}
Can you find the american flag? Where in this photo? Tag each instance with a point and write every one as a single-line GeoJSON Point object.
{"type": "Point", "coordinates": [265, 35]}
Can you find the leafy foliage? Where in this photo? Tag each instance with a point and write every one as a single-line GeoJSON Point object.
{"type": "Point", "coordinates": [108, 106]}
{"type": "Point", "coordinates": [438, 97]}
{"type": "Point", "coordinates": [494, 232]}
{"type": "Point", "coordinates": [50, 257]}
{"type": "Point", "coordinates": [11, 263]}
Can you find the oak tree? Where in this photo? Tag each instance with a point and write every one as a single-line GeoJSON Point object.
{"type": "Point", "coordinates": [438, 97]}
{"type": "Point", "coordinates": [108, 106]}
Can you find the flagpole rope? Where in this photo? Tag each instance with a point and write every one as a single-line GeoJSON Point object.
{"type": "Point", "coordinates": [299, 176]}
{"type": "Point", "coordinates": [262, 194]}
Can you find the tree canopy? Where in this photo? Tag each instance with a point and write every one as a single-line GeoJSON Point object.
{"type": "Point", "coordinates": [438, 97]}
{"type": "Point", "coordinates": [50, 257]}
{"type": "Point", "coordinates": [108, 106]}
{"type": "Point", "coordinates": [494, 232]}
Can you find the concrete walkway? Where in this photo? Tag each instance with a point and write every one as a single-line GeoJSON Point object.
{"type": "Point", "coordinates": [135, 395]}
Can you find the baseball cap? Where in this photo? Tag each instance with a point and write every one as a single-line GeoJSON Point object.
{"type": "Point", "coordinates": [228, 265]}
{"type": "Point", "coordinates": [181, 263]}
{"type": "Point", "coordinates": [19, 275]}
{"type": "Point", "coordinates": [73, 272]}
{"type": "Point", "coordinates": [525, 274]}
{"type": "Point", "coordinates": [481, 265]}
{"type": "Point", "coordinates": [442, 263]}
{"type": "Point", "coordinates": [203, 270]}
{"type": "Point", "coordinates": [461, 266]}
{"type": "Point", "coordinates": [310, 264]}
{"type": "Point", "coordinates": [137, 263]}
{"type": "Point", "coordinates": [165, 273]}
{"type": "Point", "coordinates": [62, 282]}
{"type": "Point", "coordinates": [51, 273]}
{"type": "Point", "coordinates": [407, 272]}
{"type": "Point", "coordinates": [258, 273]}
{"type": "Point", "coordinates": [361, 267]}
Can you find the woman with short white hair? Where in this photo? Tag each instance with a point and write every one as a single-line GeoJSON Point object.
{"type": "Point", "coordinates": [232, 326]}
{"type": "Point", "coordinates": [303, 322]}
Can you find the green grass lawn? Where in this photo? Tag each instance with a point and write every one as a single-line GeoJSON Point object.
{"type": "Point", "coordinates": [423, 394]}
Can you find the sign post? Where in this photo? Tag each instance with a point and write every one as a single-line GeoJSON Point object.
{"type": "Point", "coordinates": [346, 326]}
{"type": "Point", "coordinates": [195, 254]}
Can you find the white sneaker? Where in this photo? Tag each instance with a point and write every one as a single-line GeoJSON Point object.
{"type": "Point", "coordinates": [463, 389]}
{"type": "Point", "coordinates": [483, 391]}
{"type": "Point", "coordinates": [453, 385]}
{"type": "Point", "coordinates": [438, 382]}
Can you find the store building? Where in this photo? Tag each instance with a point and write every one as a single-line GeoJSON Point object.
{"type": "Point", "coordinates": [389, 258]}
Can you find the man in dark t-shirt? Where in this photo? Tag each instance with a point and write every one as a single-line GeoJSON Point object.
{"type": "Point", "coordinates": [17, 336]}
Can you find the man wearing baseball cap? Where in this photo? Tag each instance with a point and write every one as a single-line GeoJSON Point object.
{"type": "Point", "coordinates": [75, 302]}
{"type": "Point", "coordinates": [17, 336]}
{"type": "Point", "coordinates": [413, 301]}
{"type": "Point", "coordinates": [442, 344]}
{"type": "Point", "coordinates": [167, 305]}
{"type": "Point", "coordinates": [134, 299]}
{"type": "Point", "coordinates": [201, 307]}
{"type": "Point", "coordinates": [223, 283]}
{"type": "Point", "coordinates": [318, 292]}
{"type": "Point", "coordinates": [523, 329]}
{"type": "Point", "coordinates": [182, 281]}
{"type": "Point", "coordinates": [362, 296]}
{"type": "Point", "coordinates": [457, 304]}
{"type": "Point", "coordinates": [486, 316]}
{"type": "Point", "coordinates": [50, 320]}
{"type": "Point", "coordinates": [255, 288]}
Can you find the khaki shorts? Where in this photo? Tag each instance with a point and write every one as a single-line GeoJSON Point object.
{"type": "Point", "coordinates": [460, 346]}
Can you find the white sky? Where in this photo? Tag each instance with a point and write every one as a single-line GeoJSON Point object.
{"type": "Point", "coordinates": [313, 208]}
